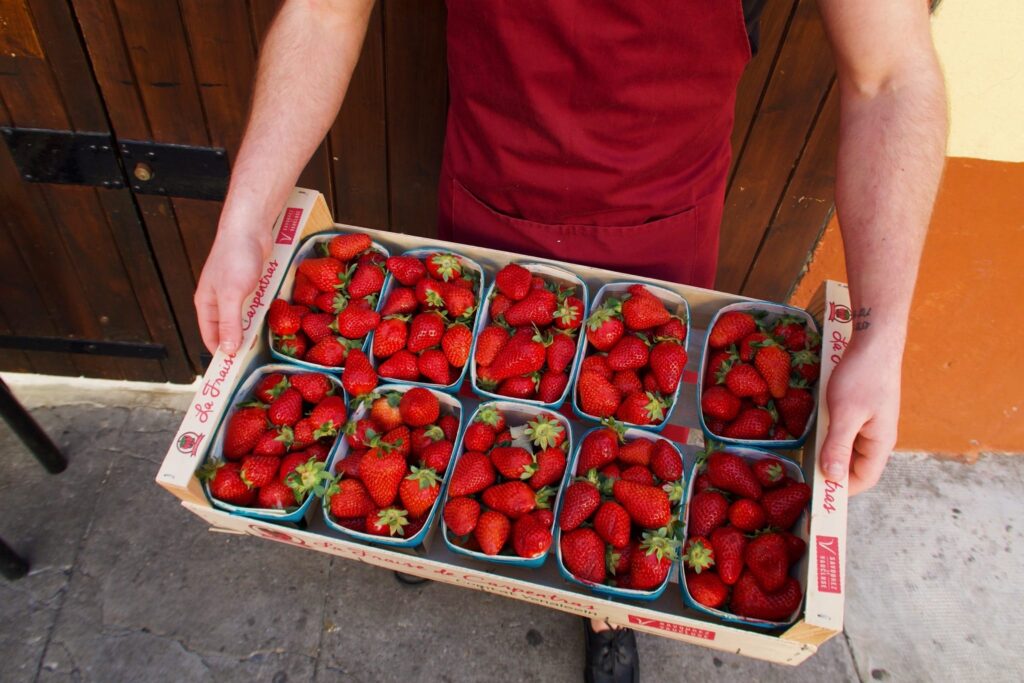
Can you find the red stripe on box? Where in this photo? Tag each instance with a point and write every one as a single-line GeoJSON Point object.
{"type": "Point", "coordinates": [827, 558]}
{"type": "Point", "coordinates": [289, 225]}
{"type": "Point", "coordinates": [673, 628]}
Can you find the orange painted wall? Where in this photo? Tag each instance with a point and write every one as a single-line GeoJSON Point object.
{"type": "Point", "coordinates": [963, 372]}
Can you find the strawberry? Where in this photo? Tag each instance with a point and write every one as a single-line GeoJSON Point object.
{"type": "Point", "coordinates": [675, 328]}
{"type": "Point", "coordinates": [226, 483]}
{"type": "Point", "coordinates": [491, 340]}
{"type": "Point", "coordinates": [627, 381]}
{"type": "Point", "coordinates": [461, 514]}
{"type": "Point", "coordinates": [772, 361]}
{"type": "Point", "coordinates": [597, 395]}
{"type": "Point", "coordinates": [783, 506]}
{"type": "Point", "coordinates": [259, 470]}
{"type": "Point", "coordinates": [636, 452]}
{"type": "Point", "coordinates": [638, 474]}
{"type": "Point", "coordinates": [318, 451]}
{"type": "Point", "coordinates": [748, 600]}
{"type": "Point", "coordinates": [458, 301]}
{"type": "Point", "coordinates": [779, 433]}
{"type": "Point", "coordinates": [743, 380]}
{"type": "Point", "coordinates": [791, 332]}
{"type": "Point", "coordinates": [313, 386]}
{"type": "Point", "coordinates": [292, 461]}
{"type": "Point", "coordinates": [283, 318]}
{"type": "Point", "coordinates": [747, 515]}
{"type": "Point", "coordinates": [492, 531]}
{"type": "Point", "coordinates": [293, 346]}
{"type": "Point", "coordinates": [326, 274]}
{"type": "Point", "coordinates": [604, 326]}
{"type": "Point", "coordinates": [549, 468]}
{"type": "Point", "coordinates": [333, 302]}
{"type": "Point", "coordinates": [768, 473]}
{"type": "Point", "coordinates": [437, 456]}
{"type": "Point", "coordinates": [359, 377]}
{"type": "Point", "coordinates": [641, 409]}
{"type": "Point", "coordinates": [400, 439]}
{"type": "Point", "coordinates": [648, 506]}
{"type": "Point", "coordinates": [569, 314]}
{"type": "Point", "coordinates": [443, 266]}
{"type": "Point", "coordinates": [390, 337]}
{"type": "Point", "coordinates": [388, 521]}
{"type": "Point", "coordinates": [425, 331]}
{"type": "Point", "coordinates": [433, 365]}
{"type": "Point", "coordinates": [598, 364]}
{"type": "Point", "coordinates": [707, 589]}
{"type": "Point", "coordinates": [544, 516]}
{"type": "Point", "coordinates": [668, 359]}
{"type": "Point", "coordinates": [429, 294]}
{"type": "Point", "coordinates": [348, 498]}
{"type": "Point", "coordinates": [598, 448]}
{"type": "Point", "coordinates": [245, 427]}
{"type": "Point", "coordinates": [449, 425]}
{"type": "Point", "coordinates": [346, 247]}
{"type": "Point", "coordinates": [513, 281]}
{"type": "Point", "coordinates": [649, 566]}
{"type": "Point", "coordinates": [729, 472]}
{"type": "Point", "coordinates": [329, 416]}
{"type": "Point", "coordinates": [522, 355]}
{"type": "Point", "coordinates": [403, 366]}
{"type": "Point", "coordinates": [499, 304]}
{"type": "Point", "coordinates": [807, 366]}
{"type": "Point", "coordinates": [729, 544]}
{"type": "Point", "coordinates": [719, 403]}
{"type": "Point", "coordinates": [457, 343]}
{"type": "Point", "coordinates": [666, 462]}
{"type": "Point", "coordinates": [751, 423]}
{"type": "Point", "coordinates": [276, 496]}
{"type": "Point", "coordinates": [271, 386]}
{"type": "Point", "coordinates": [424, 437]}
{"type": "Point", "coordinates": [349, 466]}
{"type": "Point", "coordinates": [367, 279]}
{"type": "Point", "coordinates": [750, 344]}
{"type": "Point", "coordinates": [708, 510]}
{"type": "Point", "coordinates": [698, 554]}
{"type": "Point", "coordinates": [303, 292]}
{"type": "Point", "coordinates": [419, 407]}
{"type": "Point", "coordinates": [560, 352]}
{"type": "Point", "coordinates": [401, 301]}
{"type": "Point", "coordinates": [478, 437]}
{"type": "Point", "coordinates": [473, 473]}
{"type": "Point", "coordinates": [381, 470]}
{"type": "Point", "coordinates": [551, 386]}
{"type": "Point", "coordinates": [795, 547]}
{"type": "Point", "coordinates": [642, 310]}
{"type": "Point", "coordinates": [419, 490]}
{"type": "Point", "coordinates": [360, 433]}
{"type": "Point", "coordinates": [530, 538]}
{"type": "Point", "coordinates": [545, 431]}
{"type": "Point", "coordinates": [514, 498]}
{"type": "Point", "coordinates": [580, 501]}
{"type": "Point", "coordinates": [274, 442]}
{"type": "Point", "coordinates": [612, 523]}
{"type": "Point", "coordinates": [303, 434]}
{"type": "Point", "coordinates": [512, 462]}
{"type": "Point", "coordinates": [795, 409]}
{"type": "Point", "coordinates": [629, 353]}
{"type": "Point", "coordinates": [719, 364]}
{"type": "Point", "coordinates": [583, 553]}
{"type": "Point", "coordinates": [767, 558]}
{"type": "Point", "coordinates": [701, 483]}
{"type": "Point", "coordinates": [357, 320]}
{"type": "Point", "coordinates": [731, 328]}
{"type": "Point", "coordinates": [538, 308]}
{"type": "Point", "coordinates": [328, 352]}
{"type": "Point", "coordinates": [407, 269]}
{"type": "Point", "coordinates": [384, 411]}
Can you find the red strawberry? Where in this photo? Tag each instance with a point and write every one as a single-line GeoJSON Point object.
{"type": "Point", "coordinates": [492, 531]}
{"type": "Point", "coordinates": [499, 304]}
{"type": "Point", "coordinates": [629, 353]}
{"type": "Point", "coordinates": [329, 416]}
{"type": "Point", "coordinates": [457, 343]}
{"type": "Point", "coordinates": [384, 411]}
{"type": "Point", "coordinates": [667, 362]}
{"type": "Point", "coordinates": [366, 280]}
{"type": "Point", "coordinates": [522, 355]}
{"type": "Point", "coordinates": [569, 315]}
{"type": "Point", "coordinates": [612, 523]}
{"type": "Point", "coordinates": [389, 521]}
{"type": "Point", "coordinates": [666, 462]}
{"type": "Point", "coordinates": [638, 474]}
{"type": "Point", "coordinates": [581, 498]}
{"type": "Point", "coordinates": [290, 462]}
{"type": "Point", "coordinates": [284, 318]}
{"type": "Point", "coordinates": [331, 302]}
{"type": "Point", "coordinates": [274, 442]}
{"type": "Point", "coordinates": [346, 247]}
{"type": "Point", "coordinates": [425, 331]}
{"type": "Point", "coordinates": [698, 554]}
{"type": "Point", "coordinates": [226, 484]}
{"type": "Point", "coordinates": [583, 553]}
{"type": "Point", "coordinates": [551, 386]}
{"type": "Point", "coordinates": [768, 473]}
{"type": "Point", "coordinates": [605, 327]}
{"type": "Point", "coordinates": [791, 332]}
{"type": "Point", "coordinates": [772, 361]}
{"type": "Point", "coordinates": [359, 377]}
{"type": "Point", "coordinates": [349, 466]}
{"type": "Point", "coordinates": [425, 437]}
{"type": "Point", "coordinates": [461, 514]}
{"type": "Point", "coordinates": [642, 310]}
{"type": "Point", "coordinates": [514, 498]}
{"type": "Point", "coordinates": [731, 328]}
{"type": "Point", "coordinates": [491, 340]}
{"type": "Point", "coordinates": [443, 266]}
{"type": "Point", "coordinates": [478, 437]}
{"type": "Point", "coordinates": [513, 281]}
{"type": "Point", "coordinates": [795, 409]}
{"type": "Point", "coordinates": [545, 431]}
{"type": "Point", "coordinates": [449, 424]}
{"type": "Point", "coordinates": [719, 364]}
{"type": "Point", "coordinates": [767, 558]}
{"type": "Point", "coordinates": [357, 320]}
{"type": "Point", "coordinates": [419, 407]}
{"type": "Point", "coordinates": [650, 564]}
{"type": "Point", "coordinates": [304, 292]}
{"type": "Point", "coordinates": [549, 468]}
{"type": "Point", "coordinates": [597, 395]}
{"type": "Point", "coordinates": [401, 301]}
{"type": "Point", "coordinates": [807, 366]}
{"type": "Point", "coordinates": [303, 434]}
{"type": "Point", "coordinates": [530, 538]}
{"type": "Point", "coordinates": [636, 452]}
{"type": "Point", "coordinates": [719, 403]}
{"type": "Point", "coordinates": [458, 301]}
{"type": "Point", "coordinates": [544, 516]}
{"type": "Point", "coordinates": [348, 498]}
{"type": "Point", "coordinates": [407, 269]}
{"type": "Point", "coordinates": [598, 448]}
{"type": "Point", "coordinates": [707, 589]}
{"type": "Point", "coordinates": [647, 505]}
{"type": "Point", "coordinates": [403, 365]}
{"type": "Point", "coordinates": [437, 456]}
{"type": "Point", "coordinates": [751, 423]}
{"type": "Point", "coordinates": [627, 381]}
{"type": "Point", "coordinates": [598, 364]}
{"type": "Point", "coordinates": [327, 352]}
{"type": "Point", "coordinates": [419, 490]}
{"type": "Point", "coordinates": [641, 409]}
{"type": "Point", "coordinates": [359, 434]}
{"type": "Point", "coordinates": [318, 451]}
{"type": "Point", "coordinates": [743, 380]}
{"type": "Point", "coordinates": [673, 329]}
{"type": "Point", "coordinates": [245, 427]}
{"type": "Point", "coordinates": [492, 417]}
{"type": "Point", "coordinates": [783, 506]}
{"type": "Point", "coordinates": [795, 547]}
{"type": "Point", "coordinates": [560, 352]}
{"type": "Point", "coordinates": [433, 365]}
{"type": "Point", "coordinates": [271, 386]}
{"type": "Point", "coordinates": [381, 471]}
{"type": "Point", "coordinates": [708, 510]}
{"type": "Point", "coordinates": [779, 433]}
{"type": "Point", "coordinates": [701, 483]}
{"type": "Point", "coordinates": [400, 439]}
{"type": "Point", "coordinates": [429, 294]}
{"type": "Point", "coordinates": [473, 473]}
{"type": "Point", "coordinates": [747, 515]}
{"type": "Point", "coordinates": [729, 544]}
{"type": "Point", "coordinates": [512, 462]}
{"type": "Point", "coordinates": [313, 386]}
{"type": "Point", "coordinates": [293, 346]}
{"type": "Point", "coordinates": [326, 274]}
{"type": "Point", "coordinates": [276, 496]}
{"type": "Point", "coordinates": [390, 336]}
{"type": "Point", "coordinates": [729, 472]}
{"type": "Point", "coordinates": [259, 470]}
{"type": "Point", "coordinates": [748, 600]}
{"type": "Point", "coordinates": [538, 308]}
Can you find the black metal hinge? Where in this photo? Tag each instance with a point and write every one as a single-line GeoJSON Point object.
{"type": "Point", "coordinates": [176, 170]}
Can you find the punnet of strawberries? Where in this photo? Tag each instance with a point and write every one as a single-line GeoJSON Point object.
{"type": "Point", "coordinates": [333, 301]}
{"type": "Point", "coordinates": [620, 515]}
{"type": "Point", "coordinates": [760, 371]}
{"type": "Point", "coordinates": [276, 442]}
{"type": "Point", "coordinates": [635, 359]}
{"type": "Point", "coordinates": [527, 349]}
{"type": "Point", "coordinates": [505, 482]}
{"type": "Point", "coordinates": [399, 446]}
{"type": "Point", "coordinates": [740, 546]}
{"type": "Point", "coordinates": [426, 330]}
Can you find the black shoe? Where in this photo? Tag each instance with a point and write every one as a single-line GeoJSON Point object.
{"type": "Point", "coordinates": [611, 655]}
{"type": "Point", "coordinates": [409, 579]}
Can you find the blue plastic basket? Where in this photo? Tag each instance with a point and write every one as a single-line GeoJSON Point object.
{"type": "Point", "coordinates": [389, 284]}
{"type": "Point", "coordinates": [552, 273]}
{"type": "Point", "coordinates": [241, 393]}
{"type": "Point", "coordinates": [676, 305]}
{"type": "Point", "coordinates": [600, 588]}
{"type": "Point", "coordinates": [449, 406]}
{"type": "Point", "coordinates": [515, 414]}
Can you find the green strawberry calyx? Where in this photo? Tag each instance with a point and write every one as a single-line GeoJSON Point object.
{"type": "Point", "coordinates": [394, 519]}
{"type": "Point", "coordinates": [425, 476]}
{"type": "Point", "coordinates": [656, 543]}
{"type": "Point", "coordinates": [542, 499]}
{"type": "Point", "coordinates": [309, 477]}
{"type": "Point", "coordinates": [544, 432]}
{"type": "Point", "coordinates": [699, 557]}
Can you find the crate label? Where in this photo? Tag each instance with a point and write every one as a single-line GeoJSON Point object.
{"type": "Point", "coordinates": [827, 555]}
{"type": "Point", "coordinates": [188, 443]}
{"type": "Point", "coordinates": [672, 628]}
{"type": "Point", "coordinates": [289, 225]}
{"type": "Point", "coordinates": [259, 297]}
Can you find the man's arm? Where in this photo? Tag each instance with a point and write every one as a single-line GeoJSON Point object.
{"type": "Point", "coordinates": [891, 149]}
{"type": "Point", "coordinates": [304, 70]}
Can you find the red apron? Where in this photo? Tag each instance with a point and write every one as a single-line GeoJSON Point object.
{"type": "Point", "coordinates": [592, 132]}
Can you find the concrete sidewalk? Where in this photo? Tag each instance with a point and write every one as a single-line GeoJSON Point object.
{"type": "Point", "coordinates": [128, 586]}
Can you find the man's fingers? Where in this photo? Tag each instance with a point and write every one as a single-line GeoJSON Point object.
{"type": "Point", "coordinates": [838, 446]}
{"type": "Point", "coordinates": [230, 324]}
{"type": "Point", "coordinates": [206, 312]}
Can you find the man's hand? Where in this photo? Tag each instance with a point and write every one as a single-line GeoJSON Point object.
{"type": "Point", "coordinates": [864, 407]}
{"type": "Point", "coordinates": [230, 274]}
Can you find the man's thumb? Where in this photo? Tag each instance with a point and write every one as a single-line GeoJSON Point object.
{"type": "Point", "coordinates": [838, 446]}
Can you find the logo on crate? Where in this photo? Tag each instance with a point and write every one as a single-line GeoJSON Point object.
{"type": "Point", "coordinates": [827, 556]}
{"type": "Point", "coordinates": [839, 312]}
{"type": "Point", "coordinates": [289, 226]}
{"type": "Point", "coordinates": [672, 628]}
{"type": "Point", "coordinates": [188, 443]}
